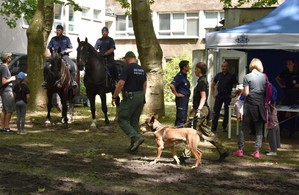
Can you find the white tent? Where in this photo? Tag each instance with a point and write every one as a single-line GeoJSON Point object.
{"type": "Point", "coordinates": [277, 30]}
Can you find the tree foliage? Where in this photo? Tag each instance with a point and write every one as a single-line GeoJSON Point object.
{"type": "Point", "coordinates": [253, 3]}
{"type": "Point", "coordinates": [13, 10]}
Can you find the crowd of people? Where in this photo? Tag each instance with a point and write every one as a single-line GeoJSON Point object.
{"type": "Point", "coordinates": [132, 83]}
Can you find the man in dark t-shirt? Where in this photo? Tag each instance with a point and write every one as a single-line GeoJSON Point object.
{"type": "Point", "coordinates": [132, 84]}
{"type": "Point", "coordinates": [225, 82]}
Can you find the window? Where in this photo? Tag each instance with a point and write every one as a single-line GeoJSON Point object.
{"type": "Point", "coordinates": [71, 23]}
{"type": "Point", "coordinates": [85, 13]}
{"type": "Point", "coordinates": [96, 14]}
{"type": "Point", "coordinates": [57, 11]}
{"type": "Point", "coordinates": [124, 26]}
{"type": "Point", "coordinates": [178, 25]}
{"type": "Point", "coordinates": [213, 18]}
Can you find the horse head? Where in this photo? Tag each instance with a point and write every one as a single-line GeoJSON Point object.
{"type": "Point", "coordinates": [55, 65]}
{"type": "Point", "coordinates": [83, 52]}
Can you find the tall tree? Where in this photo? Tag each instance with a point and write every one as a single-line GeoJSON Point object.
{"type": "Point", "coordinates": [150, 53]}
{"type": "Point", "coordinates": [37, 35]}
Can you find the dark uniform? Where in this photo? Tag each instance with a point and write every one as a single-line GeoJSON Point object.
{"type": "Point", "coordinates": [133, 100]}
{"type": "Point", "coordinates": [202, 124]}
{"type": "Point", "coordinates": [103, 45]}
{"type": "Point", "coordinates": [291, 97]}
{"type": "Point", "coordinates": [291, 93]}
{"type": "Point", "coordinates": [225, 84]}
{"type": "Point", "coordinates": [182, 85]}
{"type": "Point", "coordinates": [63, 43]}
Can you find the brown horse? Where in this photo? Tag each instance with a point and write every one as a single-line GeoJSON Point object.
{"type": "Point", "coordinates": [59, 81]}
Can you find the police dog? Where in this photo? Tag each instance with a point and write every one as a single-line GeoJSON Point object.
{"type": "Point", "coordinates": [169, 137]}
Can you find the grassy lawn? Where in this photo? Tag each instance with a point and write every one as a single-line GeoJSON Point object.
{"type": "Point", "coordinates": [53, 160]}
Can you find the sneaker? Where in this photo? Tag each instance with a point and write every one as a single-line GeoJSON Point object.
{"type": "Point", "coordinates": [223, 156]}
{"type": "Point", "coordinates": [271, 153]}
{"type": "Point", "coordinates": [137, 143]}
{"type": "Point", "coordinates": [238, 153]}
{"type": "Point", "coordinates": [22, 132]}
{"type": "Point", "coordinates": [256, 154]}
{"type": "Point", "coordinates": [7, 130]}
{"type": "Point", "coordinates": [224, 129]}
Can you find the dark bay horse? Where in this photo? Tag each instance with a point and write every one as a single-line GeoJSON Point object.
{"type": "Point", "coordinates": [59, 81]}
{"type": "Point", "coordinates": [96, 80]}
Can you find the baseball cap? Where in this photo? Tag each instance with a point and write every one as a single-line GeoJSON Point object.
{"type": "Point", "coordinates": [105, 29]}
{"type": "Point", "coordinates": [130, 54]}
{"type": "Point", "coordinates": [4, 56]}
{"type": "Point", "coordinates": [59, 26]}
{"type": "Point", "coordinates": [21, 75]}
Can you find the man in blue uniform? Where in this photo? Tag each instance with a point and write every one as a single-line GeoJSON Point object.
{"type": "Point", "coordinates": [132, 84]}
{"type": "Point", "coordinates": [64, 43]}
{"type": "Point", "coordinates": [180, 87]}
{"type": "Point", "coordinates": [106, 46]}
{"type": "Point", "coordinates": [225, 82]}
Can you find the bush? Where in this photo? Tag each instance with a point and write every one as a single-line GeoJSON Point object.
{"type": "Point", "coordinates": [170, 70]}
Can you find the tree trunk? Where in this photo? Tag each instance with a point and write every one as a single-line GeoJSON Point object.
{"type": "Point", "coordinates": [150, 55]}
{"type": "Point", "coordinates": [37, 35]}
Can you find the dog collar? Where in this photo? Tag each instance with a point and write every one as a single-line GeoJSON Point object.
{"type": "Point", "coordinates": [157, 129]}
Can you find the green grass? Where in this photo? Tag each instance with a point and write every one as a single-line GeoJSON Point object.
{"type": "Point", "coordinates": [53, 160]}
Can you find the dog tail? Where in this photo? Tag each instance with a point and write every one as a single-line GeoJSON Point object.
{"type": "Point", "coordinates": [205, 137]}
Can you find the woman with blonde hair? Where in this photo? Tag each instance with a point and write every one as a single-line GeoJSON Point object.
{"type": "Point", "coordinates": [254, 91]}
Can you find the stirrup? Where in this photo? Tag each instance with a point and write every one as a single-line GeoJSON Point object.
{"type": "Point", "coordinates": [44, 84]}
{"type": "Point", "coordinates": [74, 84]}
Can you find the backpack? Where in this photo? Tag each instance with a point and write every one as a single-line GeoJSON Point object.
{"type": "Point", "coordinates": [269, 93]}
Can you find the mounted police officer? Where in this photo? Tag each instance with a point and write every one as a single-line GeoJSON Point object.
{"type": "Point", "coordinates": [64, 43]}
{"type": "Point", "coordinates": [106, 46]}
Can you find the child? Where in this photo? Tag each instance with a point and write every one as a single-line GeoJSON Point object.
{"type": "Point", "coordinates": [21, 93]}
{"type": "Point", "coordinates": [273, 131]}
{"type": "Point", "coordinates": [239, 101]}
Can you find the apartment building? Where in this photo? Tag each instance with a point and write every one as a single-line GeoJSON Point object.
{"type": "Point", "coordinates": [180, 26]}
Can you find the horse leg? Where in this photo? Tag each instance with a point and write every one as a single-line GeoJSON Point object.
{"type": "Point", "coordinates": [104, 109]}
{"type": "Point", "coordinates": [91, 97]}
{"type": "Point", "coordinates": [63, 97]}
{"type": "Point", "coordinates": [71, 111]}
{"type": "Point", "coordinates": [49, 107]}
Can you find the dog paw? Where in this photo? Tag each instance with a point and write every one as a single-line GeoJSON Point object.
{"type": "Point", "coordinates": [193, 167]}
{"type": "Point", "coordinates": [153, 162]}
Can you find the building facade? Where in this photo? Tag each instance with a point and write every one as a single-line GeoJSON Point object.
{"type": "Point", "coordinates": [179, 26]}
{"type": "Point", "coordinates": [86, 23]}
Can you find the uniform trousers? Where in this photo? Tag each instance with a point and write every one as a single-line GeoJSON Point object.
{"type": "Point", "coordinates": [203, 126]}
{"type": "Point", "coordinates": [129, 112]}
{"type": "Point", "coordinates": [219, 101]}
{"type": "Point", "coordinates": [181, 110]}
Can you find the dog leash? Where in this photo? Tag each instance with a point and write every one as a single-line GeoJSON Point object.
{"type": "Point", "coordinates": [190, 121]}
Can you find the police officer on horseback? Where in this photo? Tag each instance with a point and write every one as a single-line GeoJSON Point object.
{"type": "Point", "coordinates": [64, 43]}
{"type": "Point", "coordinates": [106, 46]}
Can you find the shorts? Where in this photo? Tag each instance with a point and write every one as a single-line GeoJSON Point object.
{"type": "Point", "coordinates": [8, 101]}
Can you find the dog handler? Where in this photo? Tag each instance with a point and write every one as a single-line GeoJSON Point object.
{"type": "Point", "coordinates": [200, 110]}
{"type": "Point", "coordinates": [132, 84]}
